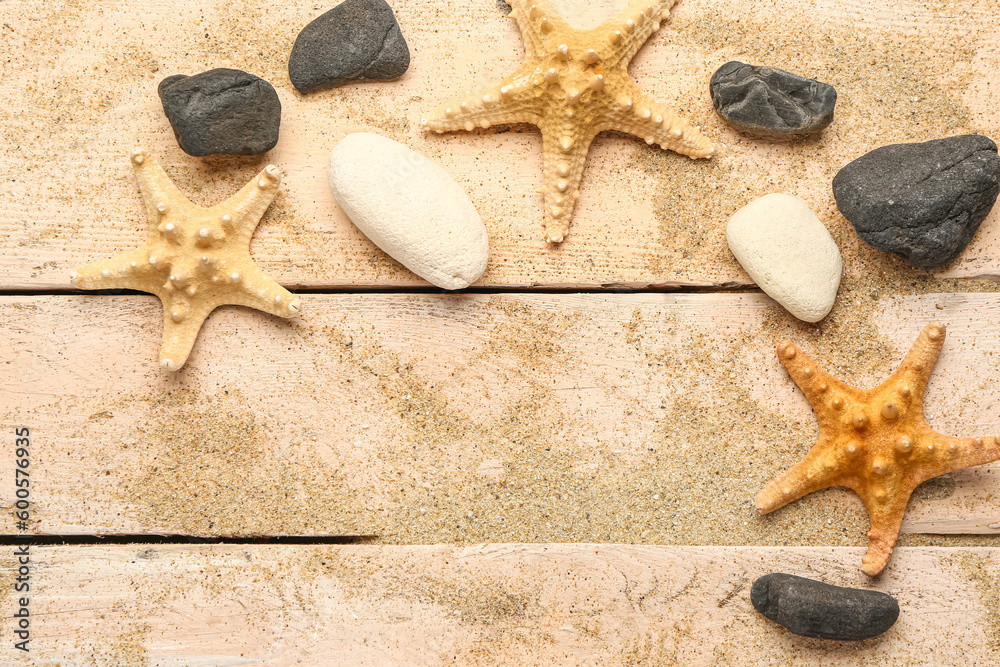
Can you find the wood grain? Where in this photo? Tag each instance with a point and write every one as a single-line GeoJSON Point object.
{"type": "Point", "coordinates": [510, 604]}
{"type": "Point", "coordinates": [622, 435]}
{"type": "Point", "coordinates": [80, 88]}
{"type": "Point", "coordinates": [651, 418]}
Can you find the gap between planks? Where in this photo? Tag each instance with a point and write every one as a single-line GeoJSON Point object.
{"type": "Point", "coordinates": [537, 288]}
{"type": "Point", "coordinates": [138, 539]}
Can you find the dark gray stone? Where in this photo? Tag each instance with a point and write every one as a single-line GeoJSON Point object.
{"type": "Point", "coordinates": [814, 609]}
{"type": "Point", "coordinates": [358, 40]}
{"type": "Point", "coordinates": [222, 111]}
{"type": "Point", "coordinates": [923, 202]}
{"type": "Point", "coordinates": [770, 103]}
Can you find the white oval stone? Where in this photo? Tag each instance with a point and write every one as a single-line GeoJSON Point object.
{"type": "Point", "coordinates": [410, 208]}
{"type": "Point", "coordinates": [789, 253]}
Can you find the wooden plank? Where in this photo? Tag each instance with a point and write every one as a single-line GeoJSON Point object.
{"type": "Point", "coordinates": [509, 604]}
{"type": "Point", "coordinates": [80, 88]}
{"type": "Point", "coordinates": [960, 526]}
{"type": "Point", "coordinates": [470, 418]}
{"type": "Point", "coordinates": [973, 506]}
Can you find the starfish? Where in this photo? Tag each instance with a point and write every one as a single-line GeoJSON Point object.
{"type": "Point", "coordinates": [874, 441]}
{"type": "Point", "coordinates": [195, 259]}
{"type": "Point", "coordinates": [574, 84]}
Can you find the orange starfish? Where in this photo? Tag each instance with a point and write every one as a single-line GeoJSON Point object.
{"type": "Point", "coordinates": [874, 441]}
{"type": "Point", "coordinates": [574, 84]}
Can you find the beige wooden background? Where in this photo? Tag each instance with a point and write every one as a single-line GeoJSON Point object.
{"type": "Point", "coordinates": [534, 476]}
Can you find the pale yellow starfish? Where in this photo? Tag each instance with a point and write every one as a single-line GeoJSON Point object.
{"type": "Point", "coordinates": [874, 441]}
{"type": "Point", "coordinates": [574, 84]}
{"type": "Point", "coordinates": [195, 259]}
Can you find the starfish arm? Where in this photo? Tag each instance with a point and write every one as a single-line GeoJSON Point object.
{"type": "Point", "coordinates": [241, 213]}
{"type": "Point", "coordinates": [626, 32]}
{"type": "Point", "coordinates": [536, 19]}
{"type": "Point", "coordinates": [129, 270]}
{"type": "Point", "coordinates": [885, 520]}
{"type": "Point", "coordinates": [156, 187]}
{"type": "Point", "coordinates": [917, 365]}
{"type": "Point", "coordinates": [637, 114]}
{"type": "Point", "coordinates": [817, 384]}
{"type": "Point", "coordinates": [935, 454]}
{"type": "Point", "coordinates": [968, 452]}
{"type": "Point", "coordinates": [818, 470]}
{"type": "Point", "coordinates": [184, 315]}
{"type": "Point", "coordinates": [564, 156]}
{"type": "Point", "coordinates": [513, 101]}
{"type": "Point", "coordinates": [257, 290]}
{"type": "Point", "coordinates": [181, 325]}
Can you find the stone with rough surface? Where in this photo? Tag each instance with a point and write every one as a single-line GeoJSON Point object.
{"type": "Point", "coordinates": [358, 40]}
{"type": "Point", "coordinates": [225, 111]}
{"type": "Point", "coordinates": [770, 103]}
{"type": "Point", "coordinates": [788, 252]}
{"type": "Point", "coordinates": [410, 208]}
{"type": "Point", "coordinates": [813, 609]}
{"type": "Point", "coordinates": [922, 202]}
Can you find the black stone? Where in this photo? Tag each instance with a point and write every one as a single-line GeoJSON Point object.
{"type": "Point", "coordinates": [814, 609]}
{"type": "Point", "coordinates": [222, 111]}
{"type": "Point", "coordinates": [358, 40]}
{"type": "Point", "coordinates": [770, 103]}
{"type": "Point", "coordinates": [923, 202]}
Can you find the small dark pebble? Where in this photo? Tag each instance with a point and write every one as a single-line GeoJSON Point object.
{"type": "Point", "coordinates": [358, 40]}
{"type": "Point", "coordinates": [222, 110]}
{"type": "Point", "coordinates": [923, 202]}
{"type": "Point", "coordinates": [770, 103]}
{"type": "Point", "coordinates": [504, 7]}
{"type": "Point", "coordinates": [814, 609]}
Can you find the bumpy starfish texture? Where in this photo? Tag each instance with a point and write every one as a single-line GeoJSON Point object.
{"type": "Point", "coordinates": [195, 259]}
{"type": "Point", "coordinates": [574, 84]}
{"type": "Point", "coordinates": [874, 441]}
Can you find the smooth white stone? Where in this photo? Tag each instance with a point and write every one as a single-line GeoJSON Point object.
{"type": "Point", "coordinates": [789, 253]}
{"type": "Point", "coordinates": [410, 208]}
